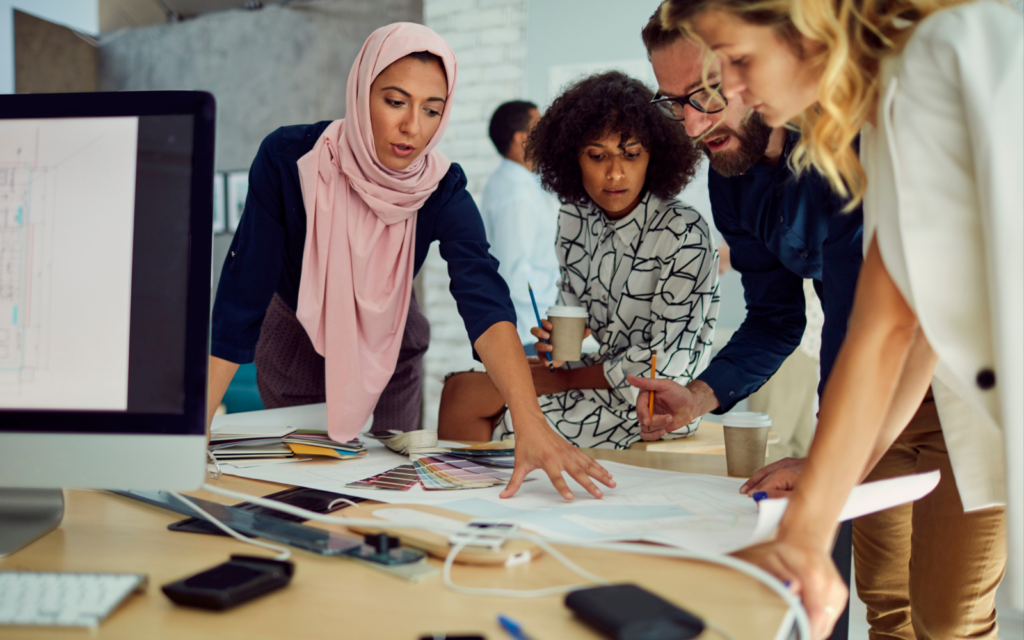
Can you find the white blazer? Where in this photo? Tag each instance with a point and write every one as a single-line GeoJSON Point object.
{"type": "Point", "coordinates": [945, 167]}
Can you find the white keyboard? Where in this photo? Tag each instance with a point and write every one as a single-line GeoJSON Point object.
{"type": "Point", "coordinates": [63, 599]}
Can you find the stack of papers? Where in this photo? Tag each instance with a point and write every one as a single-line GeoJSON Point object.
{"type": "Point", "coordinates": [500, 455]}
{"type": "Point", "coordinates": [316, 443]}
{"type": "Point", "coordinates": [239, 442]}
{"type": "Point", "coordinates": [236, 442]}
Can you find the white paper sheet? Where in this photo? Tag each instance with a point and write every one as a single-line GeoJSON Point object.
{"type": "Point", "coordinates": [308, 416]}
{"type": "Point", "coordinates": [691, 511]}
{"type": "Point", "coordinates": [864, 499]}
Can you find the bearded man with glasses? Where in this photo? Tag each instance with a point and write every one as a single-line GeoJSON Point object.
{"type": "Point", "coordinates": [781, 229]}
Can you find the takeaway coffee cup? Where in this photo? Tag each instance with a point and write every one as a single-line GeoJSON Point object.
{"type": "Point", "coordinates": [746, 441]}
{"type": "Point", "coordinates": [568, 324]}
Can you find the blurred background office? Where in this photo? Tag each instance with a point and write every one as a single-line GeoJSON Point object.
{"type": "Point", "coordinates": [275, 63]}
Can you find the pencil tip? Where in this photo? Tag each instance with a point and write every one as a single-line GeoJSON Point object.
{"type": "Point", "coordinates": [528, 286]}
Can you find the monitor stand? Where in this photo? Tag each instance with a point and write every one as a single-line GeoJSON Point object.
{"type": "Point", "coordinates": [26, 515]}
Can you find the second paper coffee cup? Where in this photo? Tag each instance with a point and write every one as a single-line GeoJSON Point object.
{"type": "Point", "coordinates": [746, 441]}
{"type": "Point", "coordinates": [568, 325]}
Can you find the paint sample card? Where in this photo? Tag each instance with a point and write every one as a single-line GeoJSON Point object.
{"type": "Point", "coordinates": [447, 472]}
{"type": "Point", "coordinates": [397, 479]}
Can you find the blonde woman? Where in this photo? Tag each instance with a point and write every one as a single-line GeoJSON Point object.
{"type": "Point", "coordinates": [934, 88]}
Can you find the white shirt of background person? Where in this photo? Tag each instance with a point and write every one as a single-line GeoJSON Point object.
{"type": "Point", "coordinates": [521, 221]}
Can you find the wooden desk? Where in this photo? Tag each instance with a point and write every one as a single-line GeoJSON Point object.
{"type": "Point", "coordinates": [337, 598]}
{"type": "Point", "coordinates": [709, 439]}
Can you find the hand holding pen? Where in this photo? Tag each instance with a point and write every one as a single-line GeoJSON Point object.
{"type": "Point", "coordinates": [540, 324]}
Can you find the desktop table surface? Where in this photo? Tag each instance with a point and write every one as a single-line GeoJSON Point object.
{"type": "Point", "coordinates": [339, 598]}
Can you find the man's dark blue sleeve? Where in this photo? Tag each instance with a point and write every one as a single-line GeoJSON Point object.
{"type": "Point", "coordinates": [253, 265]}
{"type": "Point", "coordinates": [480, 293]}
{"type": "Point", "coordinates": [842, 255]}
{"type": "Point", "coordinates": [776, 314]}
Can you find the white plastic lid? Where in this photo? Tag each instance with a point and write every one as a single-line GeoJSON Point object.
{"type": "Point", "coordinates": [750, 419]}
{"type": "Point", "coordinates": [564, 311]}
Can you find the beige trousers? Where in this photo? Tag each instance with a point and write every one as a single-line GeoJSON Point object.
{"type": "Point", "coordinates": [789, 398]}
{"type": "Point", "coordinates": [927, 569]}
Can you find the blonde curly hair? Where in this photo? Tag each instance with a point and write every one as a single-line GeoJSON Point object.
{"type": "Point", "coordinates": [856, 36]}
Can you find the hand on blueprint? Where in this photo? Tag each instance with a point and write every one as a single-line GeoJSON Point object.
{"type": "Point", "coordinates": [777, 479]}
{"type": "Point", "coordinates": [811, 574]}
{"type": "Point", "coordinates": [539, 447]}
{"type": "Point", "coordinates": [675, 406]}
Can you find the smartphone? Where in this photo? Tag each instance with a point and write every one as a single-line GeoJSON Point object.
{"type": "Point", "coordinates": [626, 611]}
{"type": "Point", "coordinates": [484, 534]}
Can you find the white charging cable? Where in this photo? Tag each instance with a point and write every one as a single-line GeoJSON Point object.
{"type": "Point", "coordinates": [519, 593]}
{"type": "Point", "coordinates": [800, 615]}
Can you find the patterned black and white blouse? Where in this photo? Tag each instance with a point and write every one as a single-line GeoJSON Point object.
{"type": "Point", "coordinates": [649, 281]}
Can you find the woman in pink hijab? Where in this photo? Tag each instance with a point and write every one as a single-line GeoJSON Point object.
{"type": "Point", "coordinates": [317, 286]}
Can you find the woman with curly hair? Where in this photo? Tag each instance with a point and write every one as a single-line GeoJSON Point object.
{"type": "Point", "coordinates": [641, 263]}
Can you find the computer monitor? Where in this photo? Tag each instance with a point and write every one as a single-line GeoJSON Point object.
{"type": "Point", "coordinates": [105, 239]}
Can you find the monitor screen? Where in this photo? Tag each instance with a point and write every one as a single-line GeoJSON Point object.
{"type": "Point", "coordinates": [97, 232]}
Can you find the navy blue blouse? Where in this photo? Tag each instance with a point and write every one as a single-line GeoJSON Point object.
{"type": "Point", "coordinates": [266, 253]}
{"type": "Point", "coordinates": [781, 230]}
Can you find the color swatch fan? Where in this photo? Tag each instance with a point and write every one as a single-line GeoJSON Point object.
{"type": "Point", "coordinates": [446, 472]}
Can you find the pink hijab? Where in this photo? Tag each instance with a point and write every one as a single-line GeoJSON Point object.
{"type": "Point", "coordinates": [357, 269]}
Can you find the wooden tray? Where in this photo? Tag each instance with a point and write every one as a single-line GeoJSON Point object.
{"type": "Point", "coordinates": [436, 544]}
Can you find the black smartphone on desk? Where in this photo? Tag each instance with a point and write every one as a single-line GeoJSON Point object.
{"type": "Point", "coordinates": [629, 612]}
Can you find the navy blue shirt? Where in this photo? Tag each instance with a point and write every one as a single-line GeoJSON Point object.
{"type": "Point", "coordinates": [266, 253]}
{"type": "Point", "coordinates": [781, 230]}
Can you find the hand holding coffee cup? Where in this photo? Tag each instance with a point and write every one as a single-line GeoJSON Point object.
{"type": "Point", "coordinates": [543, 334]}
{"type": "Point", "coordinates": [746, 441]}
{"type": "Point", "coordinates": [568, 328]}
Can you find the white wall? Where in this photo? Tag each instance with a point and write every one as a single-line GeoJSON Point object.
{"type": "Point", "coordinates": [80, 15]}
{"type": "Point", "coordinates": [489, 40]}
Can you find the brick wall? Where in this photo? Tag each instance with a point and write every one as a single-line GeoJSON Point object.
{"type": "Point", "coordinates": [489, 40]}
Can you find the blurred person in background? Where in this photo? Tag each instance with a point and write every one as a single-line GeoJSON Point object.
{"type": "Point", "coordinates": [520, 218]}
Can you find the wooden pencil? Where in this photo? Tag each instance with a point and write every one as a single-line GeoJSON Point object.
{"type": "Point", "coordinates": [654, 362]}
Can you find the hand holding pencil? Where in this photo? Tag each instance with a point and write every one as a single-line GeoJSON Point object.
{"type": "Point", "coordinates": [664, 405]}
{"type": "Point", "coordinates": [654, 371]}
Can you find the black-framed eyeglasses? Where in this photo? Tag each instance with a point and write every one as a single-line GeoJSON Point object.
{"type": "Point", "coordinates": [703, 100]}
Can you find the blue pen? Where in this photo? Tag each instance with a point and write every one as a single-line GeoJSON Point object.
{"type": "Point", "coordinates": [760, 495]}
{"type": "Point", "coordinates": [539, 324]}
{"type": "Point", "coordinates": [512, 628]}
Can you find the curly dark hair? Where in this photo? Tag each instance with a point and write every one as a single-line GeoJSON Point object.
{"type": "Point", "coordinates": [609, 102]}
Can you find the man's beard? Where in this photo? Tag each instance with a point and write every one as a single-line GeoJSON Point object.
{"type": "Point", "coordinates": [753, 143]}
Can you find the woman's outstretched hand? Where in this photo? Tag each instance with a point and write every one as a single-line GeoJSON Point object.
{"type": "Point", "coordinates": [810, 573]}
{"type": "Point", "coordinates": [539, 447]}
